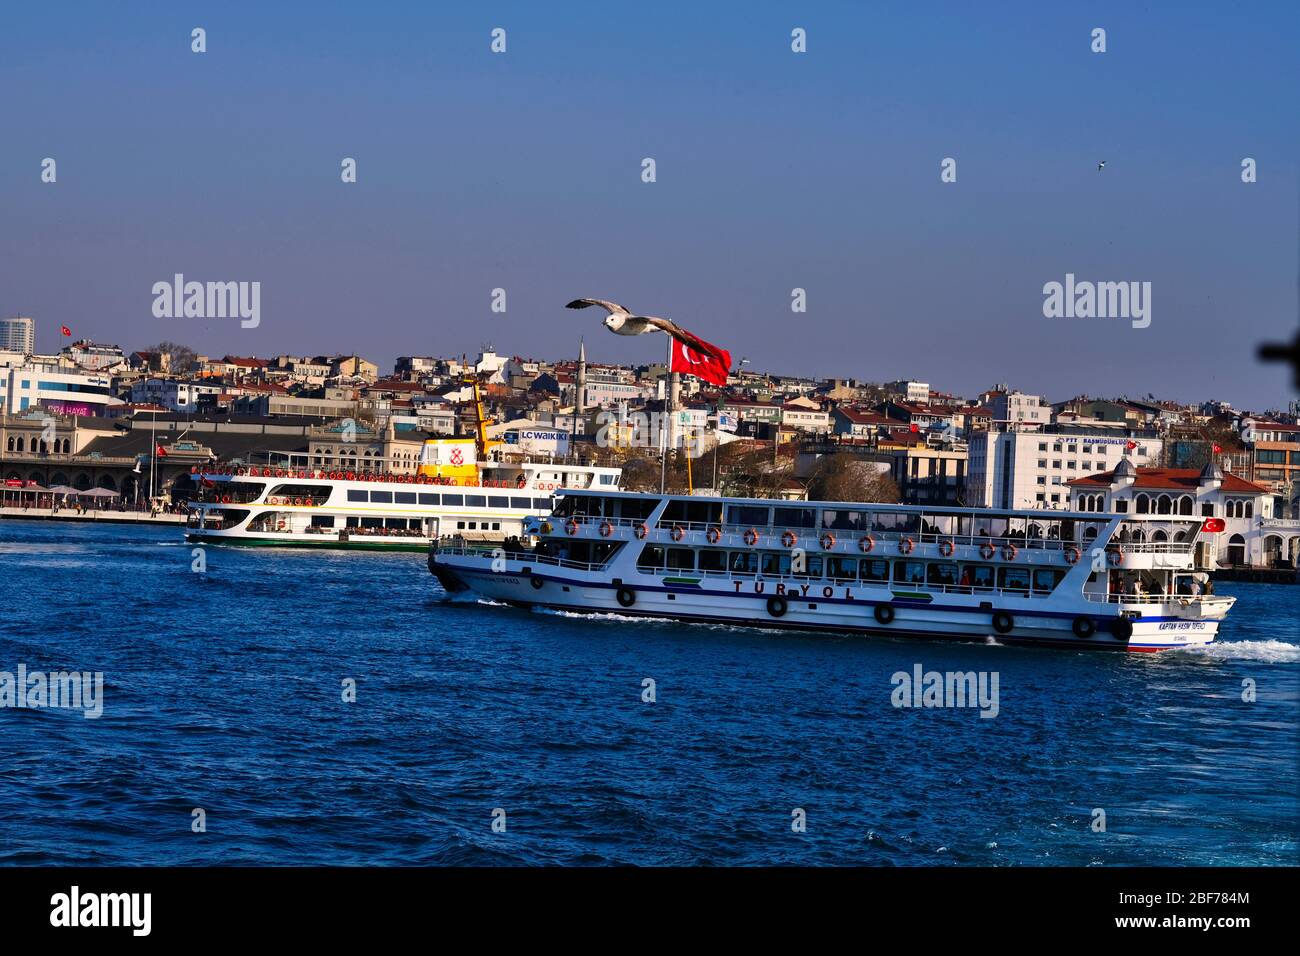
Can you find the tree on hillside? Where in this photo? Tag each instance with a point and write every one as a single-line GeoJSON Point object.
{"type": "Point", "coordinates": [844, 477]}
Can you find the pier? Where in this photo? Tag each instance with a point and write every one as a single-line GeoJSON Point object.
{"type": "Point", "coordinates": [103, 517]}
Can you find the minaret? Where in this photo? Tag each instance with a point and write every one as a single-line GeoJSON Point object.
{"type": "Point", "coordinates": [580, 398]}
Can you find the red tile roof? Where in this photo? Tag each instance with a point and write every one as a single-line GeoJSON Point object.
{"type": "Point", "coordinates": [1179, 479]}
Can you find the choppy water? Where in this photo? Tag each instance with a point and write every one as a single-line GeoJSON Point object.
{"type": "Point", "coordinates": [223, 691]}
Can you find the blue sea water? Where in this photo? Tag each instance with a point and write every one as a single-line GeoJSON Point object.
{"type": "Point", "coordinates": [223, 691]}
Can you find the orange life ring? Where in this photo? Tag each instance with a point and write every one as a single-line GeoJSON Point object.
{"type": "Point", "coordinates": [678, 532]}
{"type": "Point", "coordinates": [789, 539]}
{"type": "Point", "coordinates": [606, 529]}
{"type": "Point", "coordinates": [225, 500]}
{"type": "Point", "coordinates": [1072, 555]}
{"type": "Point", "coordinates": [827, 541]}
{"type": "Point", "coordinates": [905, 545]}
{"type": "Point", "coordinates": [642, 530]}
{"type": "Point", "coordinates": [571, 527]}
{"type": "Point", "coordinates": [1009, 552]}
{"type": "Point", "coordinates": [987, 550]}
{"type": "Point", "coordinates": [351, 477]}
{"type": "Point", "coordinates": [751, 537]}
{"type": "Point", "coordinates": [714, 535]}
{"type": "Point", "coordinates": [946, 548]}
{"type": "Point", "coordinates": [866, 543]}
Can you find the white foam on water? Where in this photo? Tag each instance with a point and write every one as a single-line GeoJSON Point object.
{"type": "Point", "coordinates": [1268, 652]}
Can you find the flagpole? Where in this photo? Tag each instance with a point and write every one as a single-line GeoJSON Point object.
{"type": "Point", "coordinates": [153, 452]}
{"type": "Point", "coordinates": [663, 419]}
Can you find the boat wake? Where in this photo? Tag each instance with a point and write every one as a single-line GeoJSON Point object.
{"type": "Point", "coordinates": [1268, 652]}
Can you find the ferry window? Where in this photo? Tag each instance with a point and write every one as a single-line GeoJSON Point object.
{"type": "Point", "coordinates": [455, 501]}
{"type": "Point", "coordinates": [942, 574]}
{"type": "Point", "coordinates": [476, 501]}
{"type": "Point", "coordinates": [1013, 579]}
{"type": "Point", "coordinates": [775, 563]}
{"type": "Point", "coordinates": [496, 525]}
{"type": "Point", "coordinates": [681, 559]}
{"type": "Point", "coordinates": [812, 567]}
{"type": "Point", "coordinates": [521, 504]}
{"type": "Point", "coordinates": [372, 522]}
{"type": "Point", "coordinates": [381, 497]}
{"type": "Point", "coordinates": [1046, 579]}
{"type": "Point", "coordinates": [542, 504]}
{"type": "Point", "coordinates": [472, 525]}
{"type": "Point", "coordinates": [744, 562]}
{"type": "Point", "coordinates": [748, 515]}
{"type": "Point", "coordinates": [712, 560]}
{"type": "Point", "coordinates": [909, 572]}
{"type": "Point", "coordinates": [607, 479]}
{"type": "Point", "coordinates": [404, 497]}
{"type": "Point", "coordinates": [498, 501]}
{"type": "Point", "coordinates": [652, 556]}
{"type": "Point", "coordinates": [428, 499]}
{"type": "Point", "coordinates": [354, 522]}
{"type": "Point", "coordinates": [697, 511]}
{"type": "Point", "coordinates": [631, 508]}
{"type": "Point", "coordinates": [322, 521]}
{"type": "Point", "coordinates": [844, 520]}
{"type": "Point", "coordinates": [796, 517]}
{"type": "Point", "coordinates": [977, 576]}
{"type": "Point", "coordinates": [874, 569]}
{"type": "Point", "coordinates": [842, 569]}
{"type": "Point", "coordinates": [356, 495]}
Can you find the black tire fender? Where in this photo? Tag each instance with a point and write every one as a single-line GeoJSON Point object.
{"type": "Point", "coordinates": [884, 613]}
{"type": "Point", "coordinates": [1122, 628]}
{"type": "Point", "coordinates": [777, 605]}
{"type": "Point", "coordinates": [536, 582]}
{"type": "Point", "coordinates": [626, 597]}
{"type": "Point", "coordinates": [1084, 627]}
{"type": "Point", "coordinates": [1003, 622]}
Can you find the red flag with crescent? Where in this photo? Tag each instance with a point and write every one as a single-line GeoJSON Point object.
{"type": "Point", "coordinates": [701, 359]}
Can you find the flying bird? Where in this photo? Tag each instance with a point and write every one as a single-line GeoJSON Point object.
{"type": "Point", "coordinates": [621, 320]}
{"type": "Point", "coordinates": [1101, 165]}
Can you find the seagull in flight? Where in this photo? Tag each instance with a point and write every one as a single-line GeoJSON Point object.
{"type": "Point", "coordinates": [1101, 165]}
{"type": "Point", "coordinates": [620, 320]}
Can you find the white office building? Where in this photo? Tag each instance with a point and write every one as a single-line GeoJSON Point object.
{"type": "Point", "coordinates": [1030, 469]}
{"type": "Point", "coordinates": [18, 334]}
{"type": "Point", "coordinates": [60, 391]}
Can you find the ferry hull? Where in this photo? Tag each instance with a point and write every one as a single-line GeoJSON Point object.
{"type": "Point", "coordinates": [321, 542]}
{"type": "Point", "coordinates": [522, 585]}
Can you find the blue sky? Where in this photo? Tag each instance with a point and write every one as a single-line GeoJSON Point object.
{"type": "Point", "coordinates": [775, 171]}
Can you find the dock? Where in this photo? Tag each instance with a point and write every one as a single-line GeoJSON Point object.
{"type": "Point", "coordinates": [102, 516]}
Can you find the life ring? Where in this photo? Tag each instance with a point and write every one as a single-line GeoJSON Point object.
{"type": "Point", "coordinates": [1072, 555]}
{"type": "Point", "coordinates": [884, 613]}
{"type": "Point", "coordinates": [827, 541]}
{"type": "Point", "coordinates": [789, 539]}
{"type": "Point", "coordinates": [1122, 628]}
{"type": "Point", "coordinates": [1115, 558]}
{"type": "Point", "coordinates": [545, 527]}
{"type": "Point", "coordinates": [1003, 622]}
{"type": "Point", "coordinates": [946, 548]}
{"type": "Point", "coordinates": [225, 500]}
{"type": "Point", "coordinates": [351, 476]}
{"type": "Point", "coordinates": [641, 531]}
{"type": "Point", "coordinates": [678, 532]}
{"type": "Point", "coordinates": [905, 545]}
{"type": "Point", "coordinates": [751, 537]}
{"type": "Point", "coordinates": [571, 528]}
{"type": "Point", "coordinates": [1009, 552]}
{"type": "Point", "coordinates": [626, 597]}
{"type": "Point", "coordinates": [866, 543]}
{"type": "Point", "coordinates": [606, 529]}
{"type": "Point", "coordinates": [987, 550]}
{"type": "Point", "coordinates": [279, 526]}
{"type": "Point", "coordinates": [279, 472]}
{"type": "Point", "coordinates": [777, 605]}
{"type": "Point", "coordinates": [1084, 627]}
{"type": "Point", "coordinates": [714, 535]}
{"type": "Point", "coordinates": [521, 482]}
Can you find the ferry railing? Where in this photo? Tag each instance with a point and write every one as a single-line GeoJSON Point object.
{"type": "Point", "coordinates": [530, 557]}
{"type": "Point", "coordinates": [812, 580]}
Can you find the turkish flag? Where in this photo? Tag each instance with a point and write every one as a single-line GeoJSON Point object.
{"type": "Point", "coordinates": [65, 330]}
{"type": "Point", "coordinates": [160, 451]}
{"type": "Point", "coordinates": [706, 362]}
{"type": "Point", "coordinates": [1218, 448]}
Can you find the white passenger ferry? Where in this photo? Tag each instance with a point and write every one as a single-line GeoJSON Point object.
{"type": "Point", "coordinates": [451, 494]}
{"type": "Point", "coordinates": [1066, 579]}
